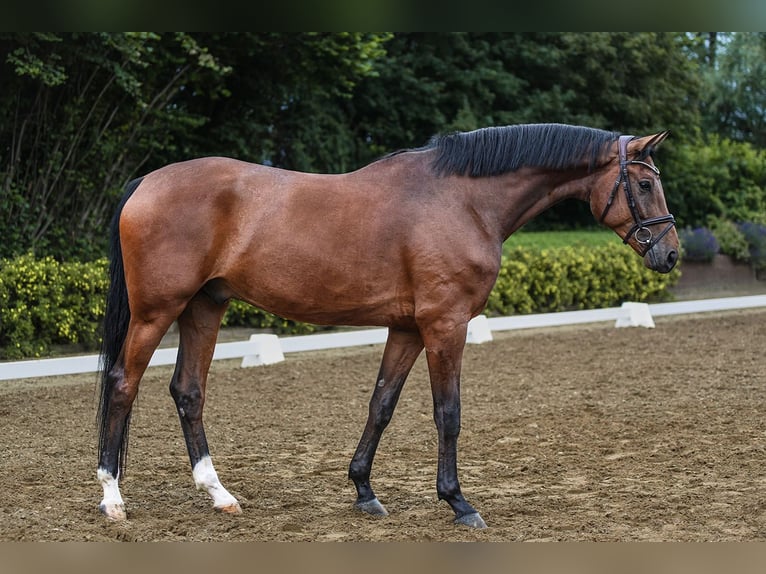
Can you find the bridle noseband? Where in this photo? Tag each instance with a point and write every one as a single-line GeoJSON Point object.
{"type": "Point", "coordinates": [640, 229]}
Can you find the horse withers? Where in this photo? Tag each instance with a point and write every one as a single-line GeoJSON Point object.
{"type": "Point", "coordinates": [411, 242]}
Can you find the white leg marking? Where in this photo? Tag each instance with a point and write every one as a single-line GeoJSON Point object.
{"type": "Point", "coordinates": [112, 505]}
{"type": "Point", "coordinates": [206, 478]}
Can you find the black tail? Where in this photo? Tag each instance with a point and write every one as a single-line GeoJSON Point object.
{"type": "Point", "coordinates": [115, 328]}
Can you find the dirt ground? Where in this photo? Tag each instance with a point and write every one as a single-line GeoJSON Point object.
{"type": "Point", "coordinates": [577, 433]}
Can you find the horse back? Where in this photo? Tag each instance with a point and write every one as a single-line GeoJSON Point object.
{"type": "Point", "coordinates": [336, 249]}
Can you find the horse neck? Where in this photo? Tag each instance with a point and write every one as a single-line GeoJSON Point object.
{"type": "Point", "coordinates": [520, 196]}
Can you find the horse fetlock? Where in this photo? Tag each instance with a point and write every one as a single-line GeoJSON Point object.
{"type": "Point", "coordinates": [206, 478]}
{"type": "Point", "coordinates": [449, 490]}
{"type": "Point", "coordinates": [464, 512]}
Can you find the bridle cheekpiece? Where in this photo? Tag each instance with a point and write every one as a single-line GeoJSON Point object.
{"type": "Point", "coordinates": [644, 236]}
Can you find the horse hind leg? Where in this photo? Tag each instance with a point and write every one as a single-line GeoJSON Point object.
{"type": "Point", "coordinates": [141, 340]}
{"type": "Point", "coordinates": [198, 328]}
{"type": "Point", "coordinates": [402, 349]}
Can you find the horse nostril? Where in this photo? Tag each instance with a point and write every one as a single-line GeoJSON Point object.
{"type": "Point", "coordinates": [672, 258]}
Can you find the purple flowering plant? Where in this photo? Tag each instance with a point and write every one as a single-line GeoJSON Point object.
{"type": "Point", "coordinates": [755, 234]}
{"type": "Point", "coordinates": [698, 244]}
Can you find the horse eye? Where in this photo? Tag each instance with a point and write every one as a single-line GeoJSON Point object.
{"type": "Point", "coordinates": [645, 185]}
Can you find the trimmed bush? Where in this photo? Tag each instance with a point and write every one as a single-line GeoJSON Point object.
{"type": "Point", "coordinates": [241, 314]}
{"type": "Point", "coordinates": [45, 303]}
{"type": "Point", "coordinates": [571, 278]}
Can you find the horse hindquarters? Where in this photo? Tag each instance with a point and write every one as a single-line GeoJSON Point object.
{"type": "Point", "coordinates": [142, 272]}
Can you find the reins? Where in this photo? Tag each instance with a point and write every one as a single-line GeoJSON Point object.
{"type": "Point", "coordinates": [640, 229]}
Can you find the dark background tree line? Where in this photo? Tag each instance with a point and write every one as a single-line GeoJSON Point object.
{"type": "Point", "coordinates": [83, 113]}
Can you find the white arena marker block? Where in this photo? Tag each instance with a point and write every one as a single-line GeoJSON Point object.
{"type": "Point", "coordinates": [638, 315]}
{"type": "Point", "coordinates": [478, 330]}
{"type": "Point", "coordinates": [266, 351]}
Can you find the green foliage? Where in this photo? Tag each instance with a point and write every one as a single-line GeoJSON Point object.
{"type": "Point", "coordinates": [730, 238]}
{"type": "Point", "coordinates": [241, 314]}
{"type": "Point", "coordinates": [735, 87]}
{"type": "Point", "coordinates": [83, 113]}
{"type": "Point", "coordinates": [714, 177]}
{"type": "Point", "coordinates": [553, 239]}
{"type": "Point", "coordinates": [567, 278]}
{"type": "Point", "coordinates": [43, 303]}
{"type": "Point", "coordinates": [436, 82]}
{"type": "Point", "coordinates": [755, 235]}
{"type": "Point", "coordinates": [287, 98]}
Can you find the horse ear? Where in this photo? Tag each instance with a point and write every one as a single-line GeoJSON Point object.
{"type": "Point", "coordinates": [645, 146]}
{"type": "Point", "coordinates": [657, 139]}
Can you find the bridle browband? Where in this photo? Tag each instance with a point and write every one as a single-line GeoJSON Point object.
{"type": "Point", "coordinates": [640, 229]}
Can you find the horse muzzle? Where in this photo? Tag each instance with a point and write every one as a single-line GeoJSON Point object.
{"type": "Point", "coordinates": [661, 258]}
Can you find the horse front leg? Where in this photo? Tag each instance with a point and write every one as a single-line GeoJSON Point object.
{"type": "Point", "coordinates": [402, 349]}
{"type": "Point", "coordinates": [198, 328]}
{"type": "Point", "coordinates": [444, 344]}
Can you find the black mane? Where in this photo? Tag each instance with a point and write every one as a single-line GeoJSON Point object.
{"type": "Point", "coordinates": [498, 150]}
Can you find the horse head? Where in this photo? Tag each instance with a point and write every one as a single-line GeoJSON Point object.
{"type": "Point", "coordinates": [628, 198]}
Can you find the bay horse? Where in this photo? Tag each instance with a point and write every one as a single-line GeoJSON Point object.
{"type": "Point", "coordinates": [411, 242]}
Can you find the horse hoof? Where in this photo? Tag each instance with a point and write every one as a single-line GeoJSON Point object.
{"type": "Point", "coordinates": [473, 520]}
{"type": "Point", "coordinates": [372, 507]}
{"type": "Point", "coordinates": [114, 512]}
{"type": "Point", "coordinates": [233, 508]}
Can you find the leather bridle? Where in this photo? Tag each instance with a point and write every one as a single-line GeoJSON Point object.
{"type": "Point", "coordinates": [640, 230]}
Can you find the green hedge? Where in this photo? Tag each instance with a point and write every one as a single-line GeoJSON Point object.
{"type": "Point", "coordinates": [241, 314]}
{"type": "Point", "coordinates": [570, 278]}
{"type": "Point", "coordinates": [45, 303]}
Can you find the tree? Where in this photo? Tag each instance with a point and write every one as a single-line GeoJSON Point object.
{"type": "Point", "coordinates": [286, 97]}
{"type": "Point", "coordinates": [736, 78]}
{"type": "Point", "coordinates": [80, 114]}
